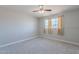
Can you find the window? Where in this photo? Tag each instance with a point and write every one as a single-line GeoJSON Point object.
{"type": "Point", "coordinates": [54, 25]}
{"type": "Point", "coordinates": [46, 24]}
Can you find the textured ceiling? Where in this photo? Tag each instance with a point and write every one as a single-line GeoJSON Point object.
{"type": "Point", "coordinates": [29, 8]}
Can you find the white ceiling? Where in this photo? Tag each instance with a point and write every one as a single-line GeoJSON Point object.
{"type": "Point", "coordinates": [29, 8]}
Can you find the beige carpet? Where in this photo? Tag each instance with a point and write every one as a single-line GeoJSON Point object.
{"type": "Point", "coordinates": [41, 46]}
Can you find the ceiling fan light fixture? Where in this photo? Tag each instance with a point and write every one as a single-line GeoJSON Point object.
{"type": "Point", "coordinates": [41, 12]}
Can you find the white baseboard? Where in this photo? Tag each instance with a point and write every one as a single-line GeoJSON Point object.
{"type": "Point", "coordinates": [63, 40]}
{"type": "Point", "coordinates": [11, 43]}
{"type": "Point", "coordinates": [38, 36]}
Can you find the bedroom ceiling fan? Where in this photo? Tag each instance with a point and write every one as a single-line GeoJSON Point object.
{"type": "Point", "coordinates": [41, 9]}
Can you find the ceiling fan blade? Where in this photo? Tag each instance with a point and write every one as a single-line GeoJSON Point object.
{"type": "Point", "coordinates": [35, 10]}
{"type": "Point", "coordinates": [47, 10]}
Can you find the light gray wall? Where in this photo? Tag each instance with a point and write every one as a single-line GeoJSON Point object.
{"type": "Point", "coordinates": [71, 26]}
{"type": "Point", "coordinates": [16, 26]}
